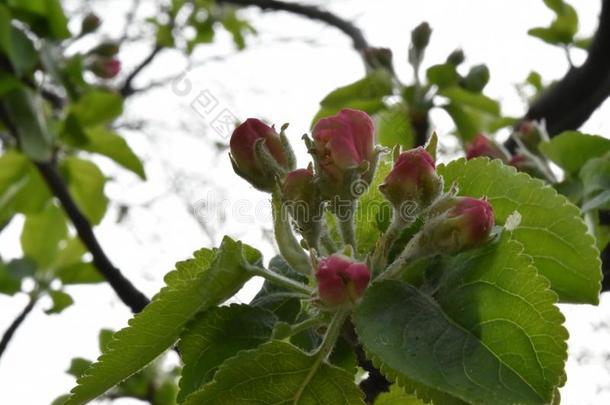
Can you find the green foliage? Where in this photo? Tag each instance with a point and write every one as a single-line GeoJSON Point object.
{"type": "Point", "coordinates": [207, 280]}
{"type": "Point", "coordinates": [41, 235]}
{"type": "Point", "coordinates": [217, 335]}
{"type": "Point", "coordinates": [393, 127]}
{"type": "Point", "coordinates": [570, 150]}
{"type": "Point", "coordinates": [396, 396]}
{"type": "Point", "coordinates": [86, 183]}
{"type": "Point", "coordinates": [595, 177]}
{"type": "Point", "coordinates": [551, 230]}
{"type": "Point", "coordinates": [61, 300]}
{"type": "Point", "coordinates": [277, 372]}
{"type": "Point", "coordinates": [447, 340]}
{"type": "Point", "coordinates": [563, 28]}
{"type": "Point", "coordinates": [365, 94]}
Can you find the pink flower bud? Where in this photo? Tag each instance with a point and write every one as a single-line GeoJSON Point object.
{"type": "Point", "coordinates": [90, 23]}
{"type": "Point", "coordinates": [298, 185]}
{"type": "Point", "coordinates": [412, 179]}
{"type": "Point", "coordinates": [344, 141]}
{"type": "Point", "coordinates": [483, 146]}
{"type": "Point", "coordinates": [106, 68]}
{"type": "Point", "coordinates": [245, 159]}
{"type": "Point", "coordinates": [466, 223]}
{"type": "Point", "coordinates": [341, 281]}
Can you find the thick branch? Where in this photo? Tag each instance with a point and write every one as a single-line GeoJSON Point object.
{"type": "Point", "coordinates": [126, 291]}
{"type": "Point", "coordinates": [571, 101]}
{"type": "Point", "coordinates": [10, 331]}
{"type": "Point", "coordinates": [311, 12]}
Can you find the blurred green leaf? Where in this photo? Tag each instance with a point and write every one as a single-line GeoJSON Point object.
{"type": "Point", "coordinates": [393, 127]}
{"type": "Point", "coordinates": [98, 107]}
{"type": "Point", "coordinates": [25, 108]}
{"type": "Point", "coordinates": [61, 301]}
{"type": "Point", "coordinates": [86, 184]}
{"type": "Point", "coordinates": [79, 273]}
{"type": "Point", "coordinates": [41, 235]}
{"type": "Point", "coordinates": [374, 86]}
{"type": "Point", "coordinates": [114, 146]}
{"type": "Point", "coordinates": [443, 75]}
{"type": "Point", "coordinates": [476, 79]}
{"type": "Point", "coordinates": [78, 365]}
{"type": "Point", "coordinates": [237, 28]}
{"type": "Point", "coordinates": [462, 97]}
{"type": "Point", "coordinates": [9, 284]}
{"type": "Point", "coordinates": [595, 177]}
{"type": "Point", "coordinates": [570, 150]}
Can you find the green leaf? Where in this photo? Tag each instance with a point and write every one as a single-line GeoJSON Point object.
{"type": "Point", "coordinates": [217, 335]}
{"type": "Point", "coordinates": [196, 285]}
{"type": "Point", "coordinates": [78, 365]}
{"type": "Point", "coordinates": [25, 108]}
{"type": "Point", "coordinates": [443, 75]}
{"type": "Point", "coordinates": [397, 396]}
{"type": "Point", "coordinates": [21, 51]}
{"type": "Point", "coordinates": [79, 273]}
{"type": "Point", "coordinates": [98, 107]}
{"type": "Point", "coordinates": [551, 230]}
{"type": "Point", "coordinates": [476, 79]}
{"type": "Point", "coordinates": [41, 235]}
{"type": "Point", "coordinates": [86, 184]}
{"type": "Point", "coordinates": [393, 127]}
{"type": "Point", "coordinates": [365, 94]}
{"type": "Point", "coordinates": [570, 150]}
{"type": "Point", "coordinates": [61, 301]}
{"type": "Point", "coordinates": [115, 147]}
{"type": "Point", "coordinates": [274, 298]}
{"type": "Point", "coordinates": [467, 98]}
{"type": "Point", "coordinates": [237, 28]}
{"type": "Point", "coordinates": [548, 35]}
{"type": "Point", "coordinates": [595, 177]}
{"type": "Point", "coordinates": [490, 334]}
{"type": "Point", "coordinates": [9, 284]}
{"type": "Point", "coordinates": [58, 23]}
{"type": "Point", "coordinates": [274, 373]}
{"type": "Point", "coordinates": [374, 212]}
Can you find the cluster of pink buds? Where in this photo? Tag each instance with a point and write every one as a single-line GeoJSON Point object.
{"type": "Point", "coordinates": [105, 68]}
{"type": "Point", "coordinates": [344, 154]}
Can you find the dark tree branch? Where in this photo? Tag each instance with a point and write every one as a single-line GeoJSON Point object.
{"type": "Point", "coordinates": [571, 101]}
{"type": "Point", "coordinates": [10, 331]}
{"type": "Point", "coordinates": [130, 295]}
{"type": "Point", "coordinates": [311, 12]}
{"type": "Point", "coordinates": [127, 89]}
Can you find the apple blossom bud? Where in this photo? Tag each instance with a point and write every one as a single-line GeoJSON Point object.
{"type": "Point", "coordinates": [456, 57]}
{"type": "Point", "coordinates": [301, 195]}
{"type": "Point", "coordinates": [106, 49]}
{"type": "Point", "coordinates": [412, 179]}
{"type": "Point", "coordinates": [90, 23]}
{"type": "Point", "coordinates": [465, 223]}
{"type": "Point", "coordinates": [531, 134]}
{"type": "Point", "coordinates": [105, 68]}
{"type": "Point", "coordinates": [344, 141]}
{"type": "Point", "coordinates": [377, 58]}
{"type": "Point", "coordinates": [341, 281]}
{"type": "Point", "coordinates": [483, 146]}
{"type": "Point", "coordinates": [258, 155]}
{"type": "Point", "coordinates": [420, 36]}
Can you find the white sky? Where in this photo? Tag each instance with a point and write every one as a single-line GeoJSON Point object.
{"type": "Point", "coordinates": [281, 77]}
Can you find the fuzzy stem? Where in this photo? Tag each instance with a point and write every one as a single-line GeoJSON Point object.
{"type": "Point", "coordinates": [278, 279]}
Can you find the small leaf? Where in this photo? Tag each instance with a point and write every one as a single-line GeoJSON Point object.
{"type": "Point", "coordinates": [467, 98]}
{"type": "Point", "coordinates": [98, 107]}
{"type": "Point", "coordinates": [274, 373]}
{"type": "Point", "coordinates": [41, 235]}
{"type": "Point", "coordinates": [595, 177]}
{"type": "Point", "coordinates": [61, 301]}
{"type": "Point", "coordinates": [115, 147]}
{"type": "Point", "coordinates": [397, 396]}
{"type": "Point", "coordinates": [9, 284]}
{"type": "Point", "coordinates": [86, 183]}
{"type": "Point", "coordinates": [217, 335]}
{"type": "Point", "coordinates": [393, 127]}
{"type": "Point", "coordinates": [25, 108]}
{"type": "Point", "coordinates": [572, 149]}
{"type": "Point", "coordinates": [551, 230]}
{"type": "Point", "coordinates": [443, 75]}
{"type": "Point", "coordinates": [196, 285]}
{"type": "Point", "coordinates": [78, 365]}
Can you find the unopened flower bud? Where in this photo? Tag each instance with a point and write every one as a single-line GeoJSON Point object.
{"type": "Point", "coordinates": [344, 150]}
{"type": "Point", "coordinates": [531, 134]}
{"type": "Point", "coordinates": [378, 58]}
{"type": "Point", "coordinates": [90, 23]}
{"type": "Point", "coordinates": [465, 223]}
{"type": "Point", "coordinates": [527, 164]}
{"type": "Point", "coordinates": [341, 281]}
{"type": "Point", "coordinates": [456, 57]}
{"type": "Point", "coordinates": [412, 179]}
{"type": "Point", "coordinates": [483, 146]}
{"type": "Point", "coordinates": [302, 197]}
{"type": "Point", "coordinates": [105, 68]}
{"type": "Point", "coordinates": [105, 49]}
{"type": "Point", "coordinates": [420, 36]}
{"type": "Point", "coordinates": [258, 154]}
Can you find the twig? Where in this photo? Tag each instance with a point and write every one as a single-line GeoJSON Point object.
{"type": "Point", "coordinates": [127, 88]}
{"type": "Point", "coordinates": [10, 331]}
{"type": "Point", "coordinates": [130, 295]}
{"type": "Point", "coordinates": [311, 12]}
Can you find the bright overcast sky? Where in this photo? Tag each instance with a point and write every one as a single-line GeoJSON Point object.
{"type": "Point", "coordinates": [281, 77]}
